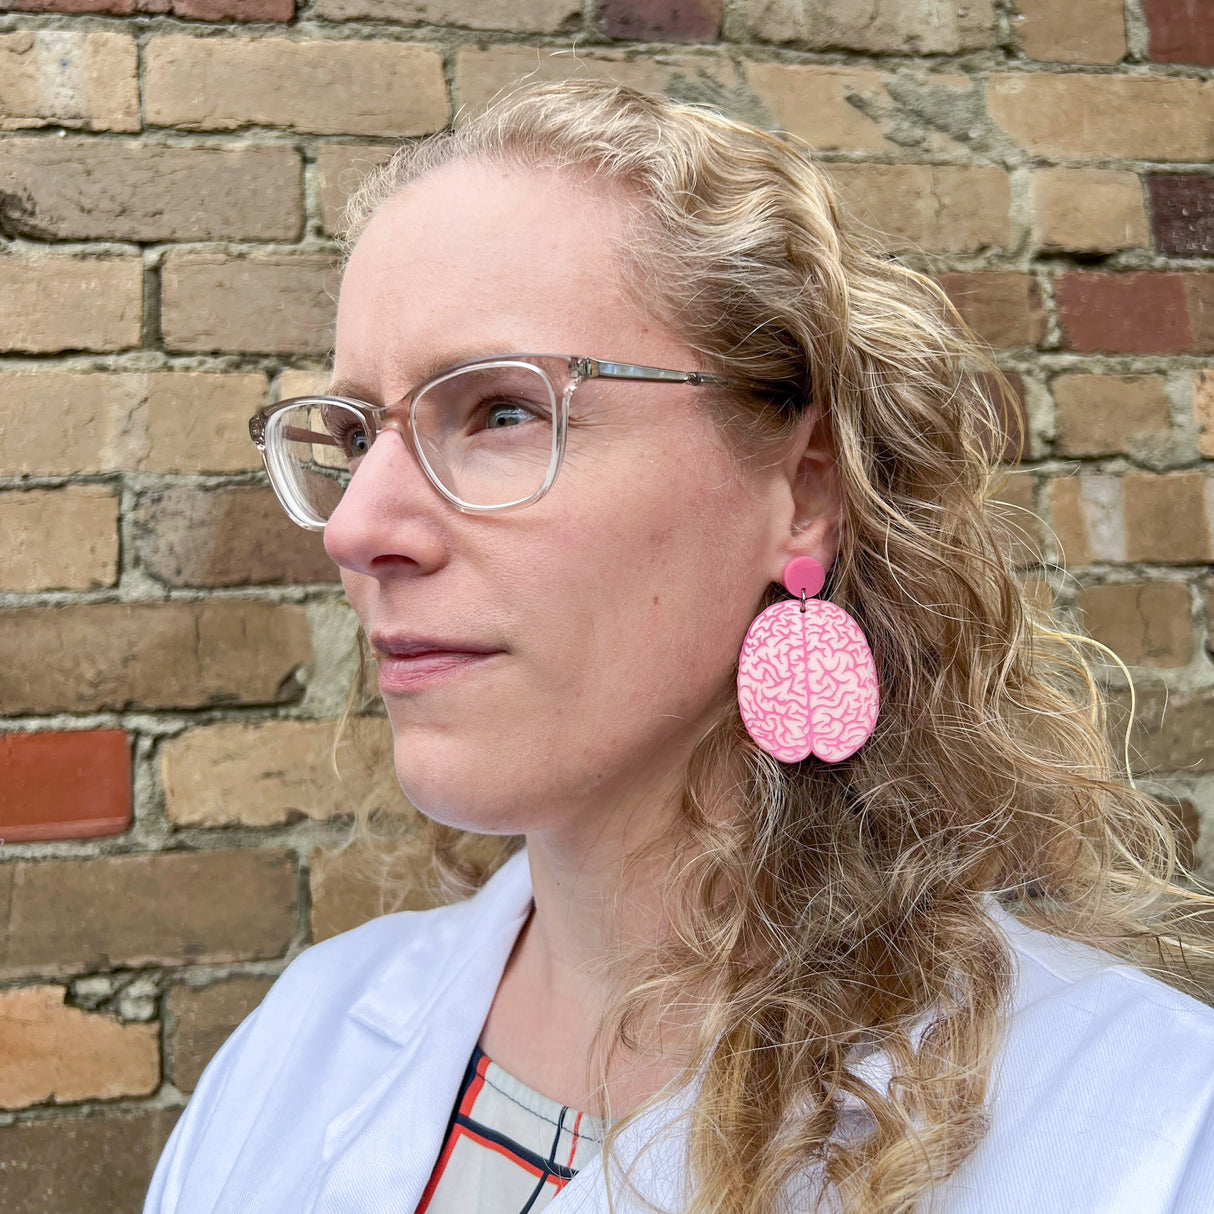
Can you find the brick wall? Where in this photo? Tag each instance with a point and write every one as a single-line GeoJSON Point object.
{"type": "Point", "coordinates": [173, 653]}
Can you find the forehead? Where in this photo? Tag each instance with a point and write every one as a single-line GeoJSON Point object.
{"type": "Point", "coordinates": [478, 258]}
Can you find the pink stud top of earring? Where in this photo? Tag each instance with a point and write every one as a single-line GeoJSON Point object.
{"type": "Point", "coordinates": [803, 575]}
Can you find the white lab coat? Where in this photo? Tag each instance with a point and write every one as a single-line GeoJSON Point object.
{"type": "Point", "coordinates": [333, 1096]}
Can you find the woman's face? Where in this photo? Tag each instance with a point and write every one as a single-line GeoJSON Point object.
{"type": "Point", "coordinates": [595, 629]}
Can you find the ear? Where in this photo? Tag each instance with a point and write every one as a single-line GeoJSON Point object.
{"type": "Point", "coordinates": [815, 498]}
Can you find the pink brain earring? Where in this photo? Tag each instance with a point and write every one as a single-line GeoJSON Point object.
{"type": "Point", "coordinates": [807, 683]}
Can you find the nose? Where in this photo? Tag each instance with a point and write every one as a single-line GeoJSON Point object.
{"type": "Point", "coordinates": [389, 518]}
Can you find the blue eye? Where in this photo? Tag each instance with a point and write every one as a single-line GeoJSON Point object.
{"type": "Point", "coordinates": [501, 415]}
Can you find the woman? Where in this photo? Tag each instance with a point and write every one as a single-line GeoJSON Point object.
{"type": "Point", "coordinates": [764, 952]}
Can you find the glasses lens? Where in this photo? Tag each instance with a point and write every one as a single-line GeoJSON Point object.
{"type": "Point", "coordinates": [487, 433]}
{"type": "Point", "coordinates": [312, 449]}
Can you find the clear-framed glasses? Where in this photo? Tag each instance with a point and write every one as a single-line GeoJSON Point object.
{"type": "Point", "coordinates": [489, 434]}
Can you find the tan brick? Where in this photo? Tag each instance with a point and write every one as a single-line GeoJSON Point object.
{"type": "Point", "coordinates": [533, 17]}
{"type": "Point", "coordinates": [302, 383]}
{"type": "Point", "coordinates": [168, 908]}
{"type": "Point", "coordinates": [1173, 730]}
{"type": "Point", "coordinates": [1002, 307]}
{"type": "Point", "coordinates": [1014, 517]}
{"type": "Point", "coordinates": [201, 1019]}
{"type": "Point", "coordinates": [365, 880]}
{"type": "Point", "coordinates": [80, 189]}
{"type": "Point", "coordinates": [1203, 411]}
{"type": "Point", "coordinates": [481, 74]}
{"type": "Point", "coordinates": [813, 103]}
{"type": "Point", "coordinates": [1144, 624]}
{"type": "Point", "coordinates": [189, 421]}
{"type": "Point", "coordinates": [904, 27]}
{"type": "Point", "coordinates": [1106, 414]}
{"type": "Point", "coordinates": [70, 303]}
{"type": "Point", "coordinates": [1079, 31]}
{"type": "Point", "coordinates": [942, 208]}
{"type": "Point", "coordinates": [269, 773]}
{"type": "Point", "coordinates": [1087, 519]}
{"type": "Point", "coordinates": [272, 304]}
{"type": "Point", "coordinates": [1088, 117]}
{"type": "Point", "coordinates": [189, 536]}
{"type": "Point", "coordinates": [340, 167]}
{"type": "Point", "coordinates": [323, 86]}
{"type": "Point", "coordinates": [77, 1165]}
{"type": "Point", "coordinates": [59, 539]}
{"type": "Point", "coordinates": [60, 1054]}
{"type": "Point", "coordinates": [1166, 520]}
{"type": "Point", "coordinates": [87, 657]}
{"type": "Point", "coordinates": [1088, 210]}
{"type": "Point", "coordinates": [54, 77]}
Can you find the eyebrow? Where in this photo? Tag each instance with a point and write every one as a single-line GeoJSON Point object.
{"type": "Point", "coordinates": [426, 369]}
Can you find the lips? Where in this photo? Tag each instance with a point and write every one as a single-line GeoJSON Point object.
{"type": "Point", "coordinates": [408, 663]}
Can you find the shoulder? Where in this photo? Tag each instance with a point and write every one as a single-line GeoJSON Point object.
{"type": "Point", "coordinates": [1102, 1097]}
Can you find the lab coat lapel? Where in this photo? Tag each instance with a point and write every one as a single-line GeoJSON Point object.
{"type": "Point", "coordinates": [432, 1001]}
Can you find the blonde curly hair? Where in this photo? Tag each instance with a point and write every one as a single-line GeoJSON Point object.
{"type": "Point", "coordinates": [820, 912]}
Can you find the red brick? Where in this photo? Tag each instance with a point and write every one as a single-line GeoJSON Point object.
{"type": "Point", "coordinates": [1182, 31]}
{"type": "Point", "coordinates": [81, 1165]}
{"type": "Point", "coordinates": [1166, 519]}
{"type": "Point", "coordinates": [661, 20]}
{"type": "Point", "coordinates": [93, 656]}
{"type": "Point", "coordinates": [1001, 307]}
{"type": "Point", "coordinates": [201, 1019]}
{"type": "Point", "coordinates": [1139, 313]}
{"type": "Point", "coordinates": [1144, 624]}
{"type": "Point", "coordinates": [60, 1054]}
{"type": "Point", "coordinates": [1107, 414]}
{"type": "Point", "coordinates": [64, 785]}
{"type": "Point", "coordinates": [1182, 214]}
{"type": "Point", "coordinates": [187, 536]}
{"type": "Point", "coordinates": [1199, 303]}
{"type": "Point", "coordinates": [166, 908]}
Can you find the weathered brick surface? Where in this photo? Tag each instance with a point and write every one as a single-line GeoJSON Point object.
{"type": "Point", "coordinates": [1181, 31]}
{"type": "Point", "coordinates": [104, 422]}
{"type": "Point", "coordinates": [340, 167]}
{"type": "Point", "coordinates": [1087, 518]}
{"type": "Point", "coordinates": [1166, 518]}
{"type": "Point", "coordinates": [661, 20]}
{"type": "Point", "coordinates": [59, 539]}
{"type": "Point", "coordinates": [112, 655]}
{"type": "Point", "coordinates": [1172, 731]}
{"type": "Point", "coordinates": [83, 1164]}
{"type": "Point", "coordinates": [480, 74]}
{"type": "Point", "coordinates": [1090, 117]}
{"type": "Point", "coordinates": [70, 303]}
{"type": "Point", "coordinates": [943, 208]}
{"type": "Point", "coordinates": [57, 785]}
{"type": "Point", "coordinates": [267, 304]}
{"type": "Point", "coordinates": [327, 87]}
{"type": "Point", "coordinates": [1014, 516]}
{"type": "Point", "coordinates": [1199, 306]}
{"type": "Point", "coordinates": [203, 10]}
{"type": "Point", "coordinates": [816, 103]}
{"type": "Point", "coordinates": [536, 16]}
{"type": "Point", "coordinates": [53, 77]}
{"type": "Point", "coordinates": [1082, 31]}
{"type": "Point", "coordinates": [201, 1019]}
{"type": "Point", "coordinates": [1144, 624]}
{"type": "Point", "coordinates": [1203, 411]}
{"type": "Point", "coordinates": [1139, 313]}
{"type": "Point", "coordinates": [268, 773]}
{"type": "Point", "coordinates": [78, 189]}
{"type": "Point", "coordinates": [914, 26]}
{"type": "Point", "coordinates": [1182, 214]}
{"type": "Point", "coordinates": [1105, 414]}
{"type": "Point", "coordinates": [364, 881]}
{"type": "Point", "coordinates": [171, 908]}
{"type": "Point", "coordinates": [1003, 308]}
{"type": "Point", "coordinates": [186, 536]}
{"type": "Point", "coordinates": [60, 1054]}
{"type": "Point", "coordinates": [1088, 210]}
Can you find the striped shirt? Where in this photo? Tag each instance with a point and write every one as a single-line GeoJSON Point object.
{"type": "Point", "coordinates": [508, 1150]}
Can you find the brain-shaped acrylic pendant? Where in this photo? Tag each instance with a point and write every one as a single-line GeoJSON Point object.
{"type": "Point", "coordinates": [807, 683]}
